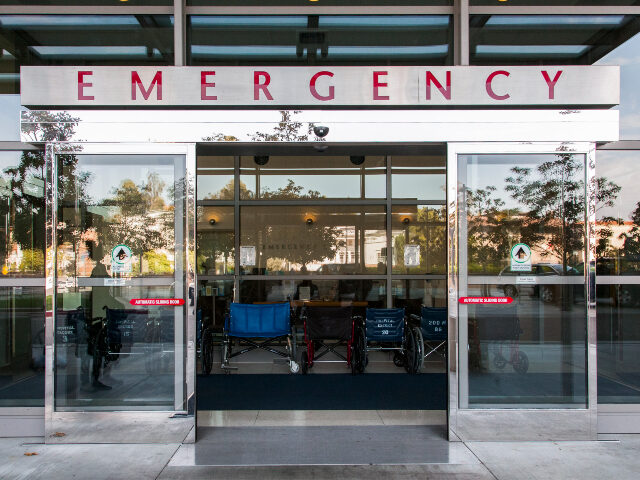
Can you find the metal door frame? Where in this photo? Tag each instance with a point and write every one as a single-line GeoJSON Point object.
{"type": "Point", "coordinates": [78, 426]}
{"type": "Point", "coordinates": [526, 423]}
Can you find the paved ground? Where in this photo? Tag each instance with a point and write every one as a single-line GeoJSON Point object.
{"type": "Point", "coordinates": [613, 457]}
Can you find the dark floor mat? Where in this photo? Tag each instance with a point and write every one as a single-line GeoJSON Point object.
{"type": "Point", "coordinates": [376, 391]}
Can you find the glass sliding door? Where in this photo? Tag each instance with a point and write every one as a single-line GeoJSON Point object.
{"type": "Point", "coordinates": [122, 284]}
{"type": "Point", "coordinates": [524, 263]}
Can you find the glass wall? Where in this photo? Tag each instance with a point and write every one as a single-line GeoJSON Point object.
{"type": "Point", "coordinates": [618, 278]}
{"type": "Point", "coordinates": [21, 278]}
{"type": "Point", "coordinates": [523, 241]}
{"type": "Point", "coordinates": [321, 228]}
{"type": "Point", "coordinates": [320, 39]}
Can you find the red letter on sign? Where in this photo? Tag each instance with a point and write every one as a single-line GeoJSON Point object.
{"type": "Point", "coordinates": [377, 84]}
{"type": "Point", "coordinates": [490, 91]}
{"type": "Point", "coordinates": [204, 85]}
{"type": "Point", "coordinates": [146, 93]}
{"type": "Point", "coordinates": [314, 92]}
{"type": "Point", "coordinates": [446, 92]}
{"type": "Point", "coordinates": [551, 83]}
{"type": "Point", "coordinates": [257, 85]}
{"type": "Point", "coordinates": [82, 84]}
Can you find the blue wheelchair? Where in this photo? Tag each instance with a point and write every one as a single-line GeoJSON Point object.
{"type": "Point", "coordinates": [259, 327]}
{"type": "Point", "coordinates": [387, 330]}
{"type": "Point", "coordinates": [433, 331]}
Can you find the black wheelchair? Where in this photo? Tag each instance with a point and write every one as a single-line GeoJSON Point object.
{"type": "Point", "coordinates": [387, 330]}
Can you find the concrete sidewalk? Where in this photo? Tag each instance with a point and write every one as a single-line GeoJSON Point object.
{"type": "Point", "coordinates": [613, 456]}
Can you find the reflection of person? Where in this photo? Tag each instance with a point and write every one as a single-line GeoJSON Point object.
{"type": "Point", "coordinates": [100, 298]}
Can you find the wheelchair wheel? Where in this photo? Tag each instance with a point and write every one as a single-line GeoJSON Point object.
{"type": "Point", "coordinates": [417, 334]}
{"type": "Point", "coordinates": [398, 359]}
{"type": "Point", "coordinates": [207, 352]}
{"type": "Point", "coordinates": [410, 353]}
{"type": "Point", "coordinates": [304, 363]}
{"type": "Point", "coordinates": [520, 363]}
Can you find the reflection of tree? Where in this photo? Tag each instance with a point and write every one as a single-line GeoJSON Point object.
{"type": "Point", "coordinates": [298, 241]}
{"type": "Point", "coordinates": [25, 205]}
{"type": "Point", "coordinates": [142, 220]}
{"type": "Point", "coordinates": [551, 215]}
{"type": "Point", "coordinates": [555, 200]}
{"type": "Point", "coordinates": [631, 240]}
{"type": "Point", "coordinates": [428, 232]}
{"type": "Point", "coordinates": [287, 130]}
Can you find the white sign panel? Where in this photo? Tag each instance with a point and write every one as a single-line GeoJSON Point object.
{"type": "Point", "coordinates": [412, 255]}
{"type": "Point", "coordinates": [91, 86]}
{"type": "Point", "coordinates": [121, 259]}
{"type": "Point", "coordinates": [247, 256]}
{"type": "Point", "coordinates": [520, 258]}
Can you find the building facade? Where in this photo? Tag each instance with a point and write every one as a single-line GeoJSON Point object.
{"type": "Point", "coordinates": [472, 159]}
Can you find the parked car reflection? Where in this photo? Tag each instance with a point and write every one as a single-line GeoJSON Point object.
{"type": "Point", "coordinates": [548, 293]}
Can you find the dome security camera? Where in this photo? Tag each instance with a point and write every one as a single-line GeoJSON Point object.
{"type": "Point", "coordinates": [357, 159]}
{"type": "Point", "coordinates": [321, 131]}
{"type": "Point", "coordinates": [261, 159]}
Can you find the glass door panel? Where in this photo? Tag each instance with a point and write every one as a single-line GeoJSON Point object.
{"type": "Point", "coordinates": [522, 279]}
{"type": "Point", "coordinates": [120, 254]}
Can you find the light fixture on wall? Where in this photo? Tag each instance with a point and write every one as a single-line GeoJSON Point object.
{"type": "Point", "coordinates": [212, 222]}
{"type": "Point", "coordinates": [261, 159]}
{"type": "Point", "coordinates": [357, 159]}
{"type": "Point", "coordinates": [308, 221]}
{"type": "Point", "coordinates": [406, 220]}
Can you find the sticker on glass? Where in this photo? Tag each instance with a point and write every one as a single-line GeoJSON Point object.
{"type": "Point", "coordinates": [412, 255]}
{"type": "Point", "coordinates": [247, 256]}
{"type": "Point", "coordinates": [121, 259]}
{"type": "Point", "coordinates": [520, 258]}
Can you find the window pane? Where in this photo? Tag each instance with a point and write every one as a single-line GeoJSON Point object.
{"type": "Point", "coordinates": [130, 3]}
{"type": "Point", "coordinates": [419, 177]}
{"type": "Point", "coordinates": [326, 3]}
{"type": "Point", "coordinates": [304, 239]}
{"type": "Point", "coordinates": [414, 294]}
{"type": "Point", "coordinates": [514, 3]}
{"type": "Point", "coordinates": [546, 39]}
{"type": "Point", "coordinates": [214, 297]}
{"type": "Point", "coordinates": [320, 39]}
{"type": "Point", "coordinates": [110, 200]}
{"type": "Point", "coordinates": [419, 239]}
{"type": "Point", "coordinates": [115, 357]}
{"type": "Point", "coordinates": [215, 241]}
{"type": "Point", "coordinates": [82, 40]}
{"type": "Point", "coordinates": [373, 292]}
{"type": "Point", "coordinates": [531, 351]}
{"type": "Point", "coordinates": [21, 347]}
{"type": "Point", "coordinates": [314, 177]}
{"type": "Point", "coordinates": [617, 268]}
{"type": "Point", "coordinates": [22, 210]}
{"type": "Point", "coordinates": [215, 178]}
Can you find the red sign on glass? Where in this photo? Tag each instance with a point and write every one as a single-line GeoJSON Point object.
{"type": "Point", "coordinates": [503, 300]}
{"type": "Point", "coordinates": [169, 302]}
